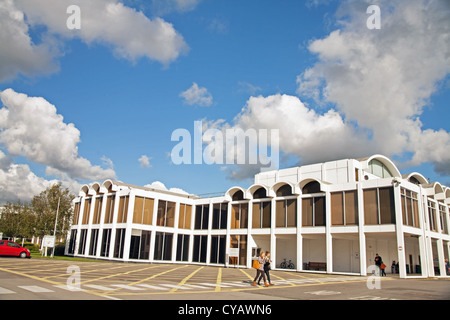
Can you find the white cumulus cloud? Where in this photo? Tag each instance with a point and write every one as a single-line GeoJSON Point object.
{"type": "Point", "coordinates": [128, 32]}
{"type": "Point", "coordinates": [196, 95]}
{"type": "Point", "coordinates": [32, 128]}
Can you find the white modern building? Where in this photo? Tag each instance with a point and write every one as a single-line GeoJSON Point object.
{"type": "Point", "coordinates": [331, 217]}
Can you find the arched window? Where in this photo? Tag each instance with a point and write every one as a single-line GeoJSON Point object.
{"type": "Point", "coordinates": [260, 193]}
{"type": "Point", "coordinates": [311, 187]}
{"type": "Point", "coordinates": [284, 191]}
{"type": "Point", "coordinates": [238, 195]}
{"type": "Point", "coordinates": [378, 169]}
{"type": "Point", "coordinates": [414, 180]}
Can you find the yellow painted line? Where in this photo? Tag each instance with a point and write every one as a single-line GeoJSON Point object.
{"type": "Point", "coordinates": [185, 280]}
{"type": "Point", "coordinates": [45, 280]}
{"type": "Point", "coordinates": [149, 278]}
{"type": "Point", "coordinates": [219, 280]}
{"type": "Point", "coordinates": [115, 275]}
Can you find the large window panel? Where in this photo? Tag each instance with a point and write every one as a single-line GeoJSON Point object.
{"type": "Point", "coordinates": [76, 213]}
{"type": "Point", "coordinates": [307, 212]}
{"type": "Point", "coordinates": [86, 211]}
{"type": "Point", "coordinates": [387, 207]}
{"type": "Point", "coordinates": [319, 211]}
{"type": "Point", "coordinates": [370, 206]}
{"type": "Point", "coordinates": [97, 210]}
{"type": "Point", "coordinates": [166, 213]}
{"type": "Point", "coordinates": [182, 247]}
{"type": "Point", "coordinates": [163, 246]}
{"type": "Point", "coordinates": [201, 217]}
{"type": "Point", "coordinates": [109, 212]}
{"type": "Point", "coordinates": [286, 213]}
{"type": "Point", "coordinates": [351, 207]}
{"type": "Point", "coordinates": [337, 209]}
{"type": "Point", "coordinates": [261, 215]}
{"type": "Point", "coordinates": [123, 209]}
{"type": "Point", "coordinates": [119, 244]}
{"type": "Point", "coordinates": [106, 241]}
{"type": "Point", "coordinates": [239, 216]}
{"type": "Point", "coordinates": [138, 209]}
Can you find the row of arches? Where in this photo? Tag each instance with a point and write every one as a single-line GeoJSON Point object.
{"type": "Point", "coordinates": [280, 189]}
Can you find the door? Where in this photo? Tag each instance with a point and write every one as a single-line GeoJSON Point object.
{"type": "Point", "coordinates": [2, 247]}
{"type": "Point", "coordinates": [13, 249]}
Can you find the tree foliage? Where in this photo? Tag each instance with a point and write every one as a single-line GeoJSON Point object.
{"type": "Point", "coordinates": [38, 217]}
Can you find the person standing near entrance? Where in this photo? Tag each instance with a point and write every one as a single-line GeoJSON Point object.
{"type": "Point", "coordinates": [378, 262]}
{"type": "Point", "coordinates": [260, 270]}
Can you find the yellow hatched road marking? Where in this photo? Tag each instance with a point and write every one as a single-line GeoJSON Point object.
{"type": "Point", "coordinates": [185, 280]}
{"type": "Point", "coordinates": [219, 280]}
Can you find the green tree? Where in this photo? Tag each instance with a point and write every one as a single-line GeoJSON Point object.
{"type": "Point", "coordinates": [17, 220]}
{"type": "Point", "coordinates": [45, 206]}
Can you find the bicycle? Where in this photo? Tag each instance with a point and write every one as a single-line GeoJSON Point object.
{"type": "Point", "coordinates": [287, 265]}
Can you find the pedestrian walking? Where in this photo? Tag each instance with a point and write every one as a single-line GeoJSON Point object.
{"type": "Point", "coordinates": [383, 269]}
{"type": "Point", "coordinates": [260, 270]}
{"type": "Point", "coordinates": [267, 262]}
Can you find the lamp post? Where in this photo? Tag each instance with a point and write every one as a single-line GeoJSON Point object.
{"type": "Point", "coordinates": [54, 230]}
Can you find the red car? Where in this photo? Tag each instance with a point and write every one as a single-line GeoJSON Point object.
{"type": "Point", "coordinates": [10, 248]}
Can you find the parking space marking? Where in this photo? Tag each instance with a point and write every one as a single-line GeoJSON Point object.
{"type": "Point", "coordinates": [98, 287]}
{"type": "Point", "coordinates": [35, 289]}
{"type": "Point", "coordinates": [124, 286]}
{"type": "Point", "coordinates": [5, 291]}
{"type": "Point", "coordinates": [144, 285]}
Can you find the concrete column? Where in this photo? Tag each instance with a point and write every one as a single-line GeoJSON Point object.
{"type": "Point", "coordinates": [328, 236]}
{"type": "Point", "coordinates": [361, 234]}
{"type": "Point", "coordinates": [399, 231]}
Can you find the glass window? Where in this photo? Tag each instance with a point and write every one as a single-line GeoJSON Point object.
{"type": "Point", "coordinates": [109, 212]}
{"type": "Point", "coordinates": [76, 213]}
{"type": "Point", "coordinates": [184, 220]}
{"type": "Point", "coordinates": [432, 216]}
{"type": "Point", "coordinates": [286, 213]}
{"type": "Point", "coordinates": [163, 246]}
{"type": "Point", "coordinates": [378, 169]}
{"type": "Point", "coordinates": [337, 209]}
{"type": "Point", "coordinates": [106, 241]}
{"type": "Point", "coordinates": [311, 187]}
{"type": "Point", "coordinates": [94, 239]}
{"type": "Point", "coordinates": [220, 214]}
{"type": "Point", "coordinates": [86, 211]}
{"type": "Point", "coordinates": [238, 195]}
{"type": "Point", "coordinates": [239, 216]}
{"type": "Point", "coordinates": [201, 217]}
{"type": "Point", "coordinates": [97, 210]}
{"type": "Point", "coordinates": [313, 212]}
{"type": "Point", "coordinates": [379, 206]}
{"type": "Point", "coordinates": [284, 191]}
{"type": "Point", "coordinates": [123, 209]}
{"type": "Point", "coordinates": [166, 213]}
{"type": "Point", "coordinates": [182, 247]}
{"type": "Point", "coordinates": [370, 206]}
{"type": "Point", "coordinates": [351, 207]}
{"type": "Point", "coordinates": [387, 207]}
{"type": "Point", "coordinates": [442, 215]}
{"type": "Point", "coordinates": [120, 241]}
{"type": "Point", "coordinates": [218, 245]}
{"type": "Point", "coordinates": [410, 208]}
{"type": "Point", "coordinates": [260, 194]}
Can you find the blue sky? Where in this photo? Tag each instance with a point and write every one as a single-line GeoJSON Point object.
{"type": "Point", "coordinates": [291, 58]}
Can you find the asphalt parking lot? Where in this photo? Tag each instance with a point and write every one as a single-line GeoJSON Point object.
{"type": "Point", "coordinates": [52, 279]}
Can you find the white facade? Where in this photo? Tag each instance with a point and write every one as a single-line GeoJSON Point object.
{"type": "Point", "coordinates": [330, 217]}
